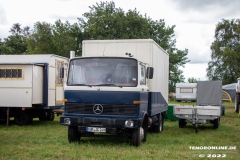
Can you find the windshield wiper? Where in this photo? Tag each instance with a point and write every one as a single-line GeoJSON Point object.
{"type": "Point", "coordinates": [108, 84]}
{"type": "Point", "coordinates": [80, 84]}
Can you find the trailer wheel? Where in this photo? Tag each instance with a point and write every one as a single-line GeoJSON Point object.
{"type": "Point", "coordinates": [22, 118]}
{"type": "Point", "coordinates": [73, 134]}
{"type": "Point", "coordinates": [216, 123]}
{"type": "Point", "coordinates": [50, 116]}
{"type": "Point", "coordinates": [159, 127]}
{"type": "Point", "coordinates": [196, 130]}
{"type": "Point", "coordinates": [181, 123]}
{"type": "Point", "coordinates": [137, 136]}
{"type": "Point", "coordinates": [223, 110]}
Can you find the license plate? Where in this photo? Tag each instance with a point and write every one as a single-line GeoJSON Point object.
{"type": "Point", "coordinates": [95, 129]}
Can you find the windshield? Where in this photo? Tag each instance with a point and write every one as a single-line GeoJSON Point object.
{"type": "Point", "coordinates": [104, 71]}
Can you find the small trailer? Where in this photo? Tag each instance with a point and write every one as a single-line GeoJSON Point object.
{"type": "Point", "coordinates": [209, 107]}
{"type": "Point", "coordinates": [186, 92]}
{"type": "Point", "coordinates": [31, 86]}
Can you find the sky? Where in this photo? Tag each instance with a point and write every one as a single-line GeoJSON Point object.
{"type": "Point", "coordinates": [195, 21]}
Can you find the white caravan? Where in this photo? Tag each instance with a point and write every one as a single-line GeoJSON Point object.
{"type": "Point", "coordinates": [31, 86]}
{"type": "Point", "coordinates": [186, 92]}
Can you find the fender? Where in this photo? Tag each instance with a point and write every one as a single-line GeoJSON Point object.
{"type": "Point", "coordinates": [144, 115]}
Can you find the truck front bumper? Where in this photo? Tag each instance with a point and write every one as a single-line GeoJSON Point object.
{"type": "Point", "coordinates": [108, 123]}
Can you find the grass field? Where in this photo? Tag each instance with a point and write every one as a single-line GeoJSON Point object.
{"type": "Point", "coordinates": [48, 140]}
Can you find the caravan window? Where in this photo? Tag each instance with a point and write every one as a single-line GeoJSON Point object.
{"type": "Point", "coordinates": [186, 90]}
{"type": "Point", "coordinates": [11, 73]}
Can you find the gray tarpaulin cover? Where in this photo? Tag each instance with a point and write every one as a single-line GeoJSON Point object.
{"type": "Point", "coordinates": [209, 93]}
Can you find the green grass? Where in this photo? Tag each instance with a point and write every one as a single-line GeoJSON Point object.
{"type": "Point", "coordinates": [48, 140]}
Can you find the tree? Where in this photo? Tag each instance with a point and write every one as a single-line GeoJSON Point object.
{"type": "Point", "coordinates": [59, 38]}
{"type": "Point", "coordinates": [192, 80]}
{"type": "Point", "coordinates": [41, 39]}
{"type": "Point", "coordinates": [66, 37]}
{"type": "Point", "coordinates": [225, 56]}
{"type": "Point", "coordinates": [16, 29]}
{"type": "Point", "coordinates": [15, 43]}
{"type": "Point", "coordinates": [105, 21]}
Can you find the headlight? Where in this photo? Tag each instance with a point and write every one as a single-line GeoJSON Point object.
{"type": "Point", "coordinates": [129, 123]}
{"type": "Point", "coordinates": [67, 121]}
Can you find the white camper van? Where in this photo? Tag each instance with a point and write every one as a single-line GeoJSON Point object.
{"type": "Point", "coordinates": [117, 87]}
{"type": "Point", "coordinates": [186, 92]}
{"type": "Point", "coordinates": [31, 86]}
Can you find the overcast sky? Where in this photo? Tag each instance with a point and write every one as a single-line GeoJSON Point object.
{"type": "Point", "coordinates": [195, 20]}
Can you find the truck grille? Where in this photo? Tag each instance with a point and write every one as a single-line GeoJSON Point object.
{"type": "Point", "coordinates": [78, 108]}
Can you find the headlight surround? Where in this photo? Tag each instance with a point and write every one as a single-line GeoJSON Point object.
{"type": "Point", "coordinates": [129, 123]}
{"type": "Point", "coordinates": [67, 121]}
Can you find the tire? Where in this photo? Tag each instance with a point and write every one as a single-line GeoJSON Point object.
{"type": "Point", "coordinates": [22, 118]}
{"type": "Point", "coordinates": [50, 116]}
{"type": "Point", "coordinates": [216, 123]}
{"type": "Point", "coordinates": [159, 127]}
{"type": "Point", "coordinates": [145, 129]}
{"type": "Point", "coordinates": [181, 123]}
{"type": "Point", "coordinates": [137, 136]}
{"type": "Point", "coordinates": [237, 103]}
{"type": "Point", "coordinates": [47, 116]}
{"type": "Point", "coordinates": [30, 119]}
{"type": "Point", "coordinates": [42, 118]}
{"type": "Point", "coordinates": [73, 134]}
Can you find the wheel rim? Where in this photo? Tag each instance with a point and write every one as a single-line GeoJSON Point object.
{"type": "Point", "coordinates": [160, 126]}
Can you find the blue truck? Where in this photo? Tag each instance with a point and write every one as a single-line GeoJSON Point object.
{"type": "Point", "coordinates": [117, 87]}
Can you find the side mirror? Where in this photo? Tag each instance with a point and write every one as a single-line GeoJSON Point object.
{"type": "Point", "coordinates": [150, 72]}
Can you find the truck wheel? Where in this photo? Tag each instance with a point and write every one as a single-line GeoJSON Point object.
{"type": "Point", "coordinates": [22, 118]}
{"type": "Point", "coordinates": [181, 123]}
{"type": "Point", "coordinates": [159, 127]}
{"type": "Point", "coordinates": [216, 123]}
{"type": "Point", "coordinates": [137, 136]}
{"type": "Point", "coordinates": [145, 129]}
{"type": "Point", "coordinates": [73, 134]}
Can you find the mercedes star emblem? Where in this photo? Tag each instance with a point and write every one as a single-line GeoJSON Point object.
{"type": "Point", "coordinates": [97, 108]}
